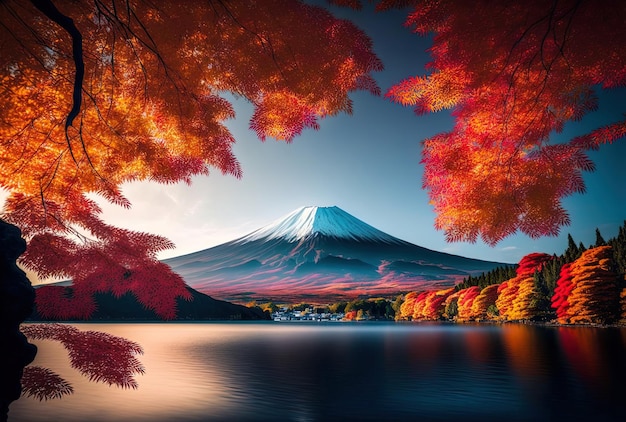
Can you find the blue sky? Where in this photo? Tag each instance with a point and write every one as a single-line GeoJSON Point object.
{"type": "Point", "coordinates": [368, 165]}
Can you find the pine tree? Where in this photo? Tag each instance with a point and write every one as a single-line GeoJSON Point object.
{"type": "Point", "coordinates": [599, 239]}
{"type": "Point", "coordinates": [572, 252]}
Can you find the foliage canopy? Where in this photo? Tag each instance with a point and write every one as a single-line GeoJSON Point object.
{"type": "Point", "coordinates": [513, 74]}
{"type": "Point", "coordinates": [97, 93]}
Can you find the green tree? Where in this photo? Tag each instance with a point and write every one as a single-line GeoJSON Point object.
{"type": "Point", "coordinates": [599, 239]}
{"type": "Point", "coordinates": [572, 252]}
{"type": "Point", "coordinates": [397, 303]}
{"type": "Point", "coordinates": [338, 307]}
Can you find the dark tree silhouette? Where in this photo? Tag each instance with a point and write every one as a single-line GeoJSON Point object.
{"type": "Point", "coordinates": [17, 298]}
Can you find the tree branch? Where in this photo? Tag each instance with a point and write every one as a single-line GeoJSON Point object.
{"type": "Point", "coordinates": [51, 12]}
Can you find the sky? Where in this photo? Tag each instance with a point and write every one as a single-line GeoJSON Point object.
{"type": "Point", "coordinates": [368, 164]}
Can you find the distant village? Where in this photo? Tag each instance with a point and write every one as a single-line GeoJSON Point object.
{"type": "Point", "coordinates": [371, 309]}
{"type": "Point", "coordinates": [312, 314]}
{"type": "Point", "coordinates": [308, 314]}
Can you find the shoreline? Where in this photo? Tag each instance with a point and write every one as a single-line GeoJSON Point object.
{"type": "Point", "coordinates": [330, 322]}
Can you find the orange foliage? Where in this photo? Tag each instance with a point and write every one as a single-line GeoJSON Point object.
{"type": "Point", "coordinates": [141, 100]}
{"type": "Point", "coordinates": [418, 306]}
{"type": "Point", "coordinates": [485, 298]}
{"type": "Point", "coordinates": [466, 301]}
{"type": "Point", "coordinates": [410, 300]}
{"type": "Point", "coordinates": [430, 305]}
{"type": "Point", "coordinates": [513, 73]}
{"type": "Point", "coordinates": [595, 295]}
{"type": "Point", "coordinates": [506, 294]}
{"type": "Point", "coordinates": [522, 302]}
{"type": "Point", "coordinates": [435, 304]}
{"type": "Point", "coordinates": [515, 295]}
{"type": "Point", "coordinates": [350, 316]}
{"type": "Point", "coordinates": [584, 353]}
{"type": "Point", "coordinates": [521, 343]}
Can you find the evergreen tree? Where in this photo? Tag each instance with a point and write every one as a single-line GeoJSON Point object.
{"type": "Point", "coordinates": [540, 302]}
{"type": "Point", "coordinates": [619, 250]}
{"type": "Point", "coordinates": [572, 252]}
{"type": "Point", "coordinates": [599, 239]}
{"type": "Point", "coordinates": [495, 276]}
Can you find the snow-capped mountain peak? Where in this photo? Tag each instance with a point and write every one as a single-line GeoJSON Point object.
{"type": "Point", "coordinates": [306, 222]}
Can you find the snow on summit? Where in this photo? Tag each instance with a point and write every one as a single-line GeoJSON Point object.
{"type": "Point", "coordinates": [328, 221]}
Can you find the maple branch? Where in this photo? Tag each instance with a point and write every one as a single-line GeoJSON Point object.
{"type": "Point", "coordinates": [51, 12]}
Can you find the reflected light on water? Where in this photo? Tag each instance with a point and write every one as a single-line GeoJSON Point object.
{"type": "Point", "coordinates": [171, 382]}
{"type": "Point", "coordinates": [353, 371]}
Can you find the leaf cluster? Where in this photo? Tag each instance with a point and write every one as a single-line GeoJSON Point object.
{"type": "Point", "coordinates": [100, 93]}
{"type": "Point", "coordinates": [513, 74]}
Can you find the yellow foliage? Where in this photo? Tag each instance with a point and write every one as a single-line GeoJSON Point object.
{"type": "Point", "coordinates": [486, 298]}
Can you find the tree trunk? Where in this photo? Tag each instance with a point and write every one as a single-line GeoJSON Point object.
{"type": "Point", "coordinates": [17, 298]}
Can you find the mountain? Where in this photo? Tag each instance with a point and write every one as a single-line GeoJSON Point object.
{"type": "Point", "coordinates": [320, 252]}
{"type": "Point", "coordinates": [201, 308]}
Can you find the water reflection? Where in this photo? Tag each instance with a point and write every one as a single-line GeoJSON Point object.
{"type": "Point", "coordinates": [597, 360]}
{"type": "Point", "coordinates": [358, 371]}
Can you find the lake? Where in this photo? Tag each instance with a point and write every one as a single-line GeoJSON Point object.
{"type": "Point", "coordinates": [350, 371]}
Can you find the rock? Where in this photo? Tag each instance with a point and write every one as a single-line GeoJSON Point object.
{"type": "Point", "coordinates": [17, 298]}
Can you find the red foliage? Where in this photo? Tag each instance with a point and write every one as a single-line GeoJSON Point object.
{"type": "Point", "coordinates": [350, 315]}
{"type": "Point", "coordinates": [430, 305]}
{"type": "Point", "coordinates": [531, 263]}
{"type": "Point", "coordinates": [515, 295]}
{"type": "Point", "coordinates": [44, 384]}
{"type": "Point", "coordinates": [418, 306]}
{"type": "Point", "coordinates": [154, 285]}
{"type": "Point", "coordinates": [58, 302]}
{"type": "Point", "coordinates": [434, 305]}
{"type": "Point", "coordinates": [99, 356]}
{"type": "Point", "coordinates": [563, 289]}
{"type": "Point", "coordinates": [486, 298]}
{"type": "Point", "coordinates": [514, 73]}
{"type": "Point", "coordinates": [466, 301]}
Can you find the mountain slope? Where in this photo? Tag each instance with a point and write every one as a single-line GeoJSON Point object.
{"type": "Point", "coordinates": [201, 308]}
{"type": "Point", "coordinates": [319, 252]}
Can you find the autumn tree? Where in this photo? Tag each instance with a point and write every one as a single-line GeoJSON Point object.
{"type": "Point", "coordinates": [406, 309]}
{"type": "Point", "coordinates": [481, 307]}
{"type": "Point", "coordinates": [465, 303]}
{"type": "Point", "coordinates": [451, 306]}
{"type": "Point", "coordinates": [98, 93]}
{"type": "Point", "coordinates": [430, 305]}
{"type": "Point", "coordinates": [513, 74]}
{"type": "Point", "coordinates": [517, 296]}
{"type": "Point", "coordinates": [562, 291]}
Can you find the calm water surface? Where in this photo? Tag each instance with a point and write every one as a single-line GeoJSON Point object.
{"type": "Point", "coordinates": [350, 371]}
